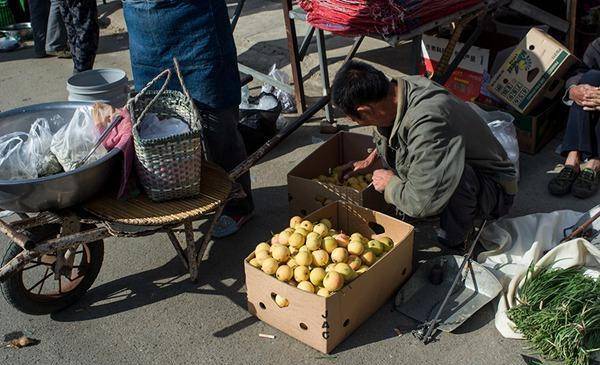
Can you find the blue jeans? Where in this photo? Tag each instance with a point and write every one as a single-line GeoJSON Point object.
{"type": "Point", "coordinates": [56, 35]}
{"type": "Point", "coordinates": [199, 35]}
{"type": "Point", "coordinates": [583, 129]}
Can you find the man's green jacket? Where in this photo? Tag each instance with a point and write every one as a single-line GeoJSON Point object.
{"type": "Point", "coordinates": [434, 135]}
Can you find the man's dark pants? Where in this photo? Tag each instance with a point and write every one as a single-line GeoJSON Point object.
{"type": "Point", "coordinates": [39, 10]}
{"type": "Point", "coordinates": [476, 197]}
{"type": "Point", "coordinates": [583, 129]}
{"type": "Point", "coordinates": [226, 148]}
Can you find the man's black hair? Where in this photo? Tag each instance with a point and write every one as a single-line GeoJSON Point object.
{"type": "Point", "coordinates": [358, 83]}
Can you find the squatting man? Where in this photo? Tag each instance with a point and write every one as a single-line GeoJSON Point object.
{"type": "Point", "coordinates": [440, 157]}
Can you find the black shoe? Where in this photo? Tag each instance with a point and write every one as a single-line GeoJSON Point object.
{"type": "Point", "coordinates": [586, 184]}
{"type": "Point", "coordinates": [561, 184]}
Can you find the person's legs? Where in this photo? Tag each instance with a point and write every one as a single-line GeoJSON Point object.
{"type": "Point", "coordinates": [582, 139]}
{"type": "Point", "coordinates": [81, 21]}
{"type": "Point", "coordinates": [580, 142]}
{"type": "Point", "coordinates": [39, 10]}
{"type": "Point", "coordinates": [226, 148]}
{"type": "Point", "coordinates": [56, 35]}
{"type": "Point", "coordinates": [477, 196]}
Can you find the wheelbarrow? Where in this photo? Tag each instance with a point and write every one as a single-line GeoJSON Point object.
{"type": "Point", "coordinates": [56, 254]}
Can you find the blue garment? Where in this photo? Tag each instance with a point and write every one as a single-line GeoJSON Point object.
{"type": "Point", "coordinates": [198, 34]}
{"type": "Point", "coordinates": [583, 127]}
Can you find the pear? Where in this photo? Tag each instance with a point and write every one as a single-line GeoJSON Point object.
{"type": "Point", "coordinates": [284, 273]}
{"type": "Point", "coordinates": [333, 281]}
{"type": "Point", "coordinates": [339, 255]}
{"type": "Point", "coordinates": [301, 273]}
{"type": "Point", "coordinates": [329, 244]}
{"type": "Point", "coordinates": [262, 246]}
{"type": "Point", "coordinates": [306, 286]}
{"type": "Point", "coordinates": [296, 220]}
{"type": "Point", "coordinates": [269, 266]}
{"type": "Point", "coordinates": [317, 275]}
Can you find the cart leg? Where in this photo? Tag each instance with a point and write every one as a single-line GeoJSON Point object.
{"type": "Point", "coordinates": [180, 253]}
{"type": "Point", "coordinates": [208, 235]}
{"type": "Point", "coordinates": [292, 43]}
{"type": "Point", "coordinates": [191, 251]}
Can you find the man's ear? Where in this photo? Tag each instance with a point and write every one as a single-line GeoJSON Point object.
{"type": "Point", "coordinates": [364, 109]}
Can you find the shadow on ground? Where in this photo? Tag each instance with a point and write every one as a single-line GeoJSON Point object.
{"type": "Point", "coordinates": [170, 280]}
{"type": "Point", "coordinates": [277, 52]}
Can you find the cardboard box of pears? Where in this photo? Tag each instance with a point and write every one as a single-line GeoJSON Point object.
{"type": "Point", "coordinates": [320, 278]}
{"type": "Point", "coordinates": [316, 181]}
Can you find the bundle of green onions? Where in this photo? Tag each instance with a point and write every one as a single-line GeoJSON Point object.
{"type": "Point", "coordinates": [559, 314]}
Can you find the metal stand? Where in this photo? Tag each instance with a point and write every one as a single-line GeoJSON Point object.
{"type": "Point", "coordinates": [432, 325]}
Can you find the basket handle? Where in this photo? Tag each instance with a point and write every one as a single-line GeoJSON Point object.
{"type": "Point", "coordinates": [185, 91]}
{"type": "Point", "coordinates": [166, 72]}
{"type": "Point", "coordinates": [195, 113]}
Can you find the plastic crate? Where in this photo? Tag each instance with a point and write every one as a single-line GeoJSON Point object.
{"type": "Point", "coordinates": [6, 16]}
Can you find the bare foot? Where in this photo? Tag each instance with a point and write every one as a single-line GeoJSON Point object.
{"type": "Point", "coordinates": [593, 164]}
{"type": "Point", "coordinates": [573, 159]}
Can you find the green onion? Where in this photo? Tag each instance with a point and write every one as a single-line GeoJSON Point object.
{"type": "Point", "coordinates": [559, 314]}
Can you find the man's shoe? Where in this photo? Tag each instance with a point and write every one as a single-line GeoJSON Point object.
{"type": "Point", "coordinates": [60, 54]}
{"type": "Point", "coordinates": [561, 184]}
{"type": "Point", "coordinates": [586, 184]}
{"type": "Point", "coordinates": [229, 225]}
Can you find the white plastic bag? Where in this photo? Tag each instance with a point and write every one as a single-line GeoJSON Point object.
{"type": "Point", "coordinates": [151, 127]}
{"type": "Point", "coordinates": [503, 128]}
{"type": "Point", "coordinates": [286, 99]}
{"type": "Point", "coordinates": [76, 139]}
{"type": "Point", "coordinates": [15, 163]}
{"type": "Point", "coordinates": [38, 145]}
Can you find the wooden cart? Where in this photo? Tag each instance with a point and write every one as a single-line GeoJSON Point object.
{"type": "Point", "coordinates": [54, 257]}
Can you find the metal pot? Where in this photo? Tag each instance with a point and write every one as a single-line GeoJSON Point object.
{"type": "Point", "coordinates": [19, 31]}
{"type": "Point", "coordinates": [56, 191]}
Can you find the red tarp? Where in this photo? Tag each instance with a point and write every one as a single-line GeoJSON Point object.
{"type": "Point", "coordinates": [378, 17]}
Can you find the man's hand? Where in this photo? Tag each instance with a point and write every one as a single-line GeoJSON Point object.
{"type": "Point", "coordinates": [381, 178]}
{"type": "Point", "coordinates": [356, 167]}
{"type": "Point", "coordinates": [586, 96]}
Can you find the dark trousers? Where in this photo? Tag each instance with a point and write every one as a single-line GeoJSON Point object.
{"type": "Point", "coordinates": [583, 129]}
{"type": "Point", "coordinates": [226, 148]}
{"type": "Point", "coordinates": [477, 196]}
{"type": "Point", "coordinates": [39, 10]}
{"type": "Point", "coordinates": [81, 21]}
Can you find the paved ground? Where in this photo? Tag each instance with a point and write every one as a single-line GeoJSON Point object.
{"type": "Point", "coordinates": [143, 310]}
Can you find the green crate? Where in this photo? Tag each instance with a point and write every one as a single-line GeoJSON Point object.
{"type": "Point", "coordinates": [6, 16]}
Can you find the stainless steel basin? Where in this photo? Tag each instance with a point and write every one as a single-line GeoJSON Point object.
{"type": "Point", "coordinates": [57, 191]}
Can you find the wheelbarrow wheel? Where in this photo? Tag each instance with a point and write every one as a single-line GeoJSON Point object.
{"type": "Point", "coordinates": [36, 289]}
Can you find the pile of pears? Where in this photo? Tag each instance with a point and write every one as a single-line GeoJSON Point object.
{"type": "Point", "coordinates": [357, 182]}
{"type": "Point", "coordinates": [316, 258]}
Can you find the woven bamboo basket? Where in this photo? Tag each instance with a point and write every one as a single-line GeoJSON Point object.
{"type": "Point", "coordinates": [169, 167]}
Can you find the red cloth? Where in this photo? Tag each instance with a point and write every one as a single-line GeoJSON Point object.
{"type": "Point", "coordinates": [121, 138]}
{"type": "Point", "coordinates": [378, 17]}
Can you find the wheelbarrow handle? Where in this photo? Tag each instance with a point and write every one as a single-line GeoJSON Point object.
{"type": "Point", "coordinates": [245, 166]}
